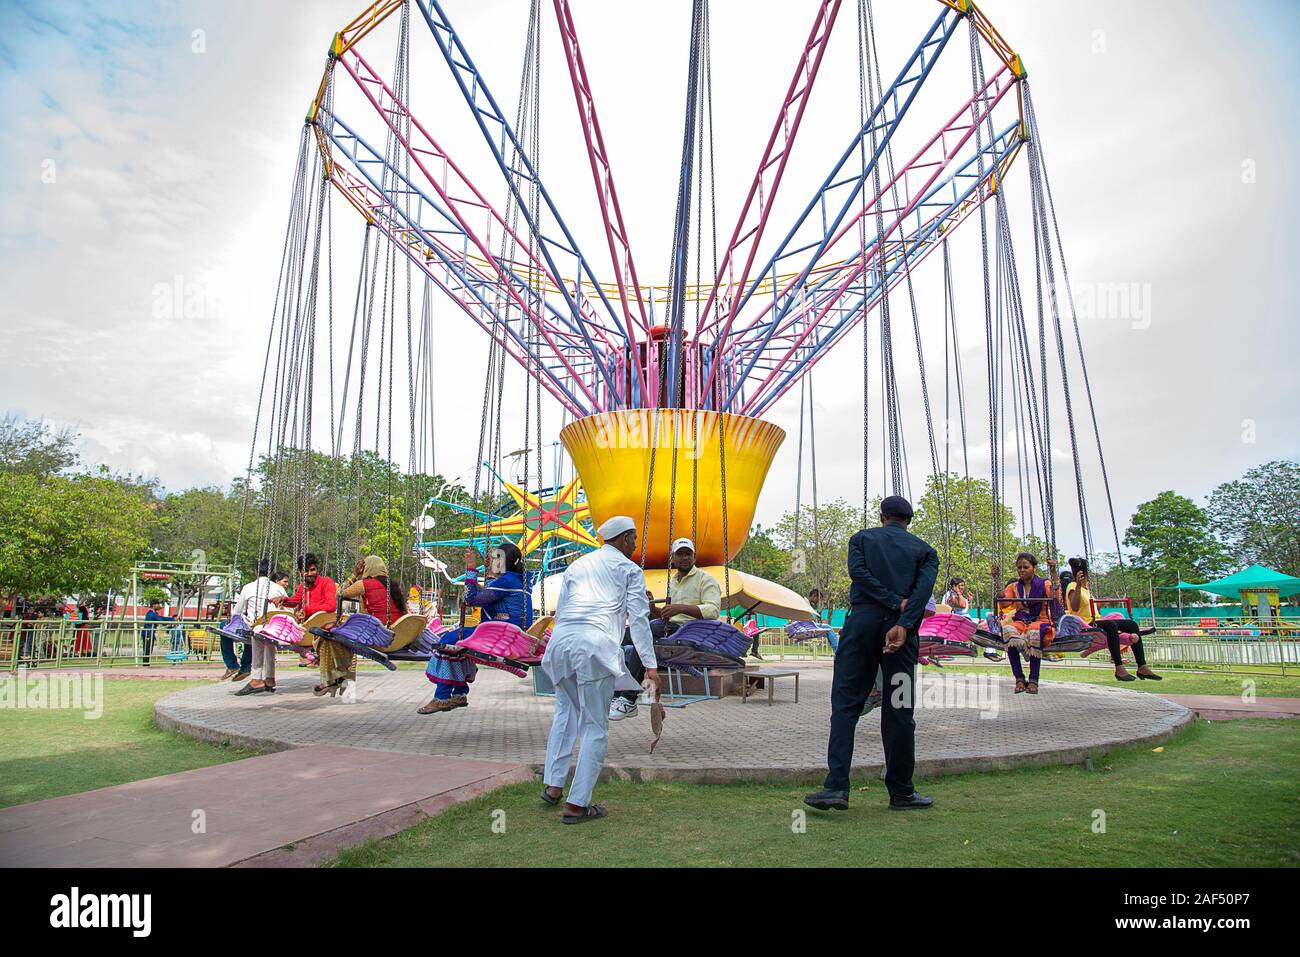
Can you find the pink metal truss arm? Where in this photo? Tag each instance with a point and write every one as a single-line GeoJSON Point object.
{"type": "Point", "coordinates": [753, 217]}
{"type": "Point", "coordinates": [948, 142]}
{"type": "Point", "coordinates": [620, 250]}
{"type": "Point", "coordinates": [379, 211]}
{"type": "Point", "coordinates": [927, 165]}
{"type": "Point", "coordinates": [423, 149]}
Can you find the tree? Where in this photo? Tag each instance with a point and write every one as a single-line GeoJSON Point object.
{"type": "Point", "coordinates": [1172, 536]}
{"type": "Point", "coordinates": [819, 549]}
{"type": "Point", "coordinates": [30, 447]}
{"type": "Point", "coordinates": [1257, 517]}
{"type": "Point", "coordinates": [761, 556]}
{"type": "Point", "coordinates": [956, 516]}
{"type": "Point", "coordinates": [61, 534]}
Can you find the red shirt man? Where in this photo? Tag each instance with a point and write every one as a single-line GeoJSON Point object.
{"type": "Point", "coordinates": [316, 592]}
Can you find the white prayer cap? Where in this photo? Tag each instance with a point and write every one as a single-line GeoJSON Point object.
{"type": "Point", "coordinates": [615, 527]}
{"type": "Point", "coordinates": [683, 543]}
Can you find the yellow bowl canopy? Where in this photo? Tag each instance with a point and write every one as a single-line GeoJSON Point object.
{"type": "Point", "coordinates": [612, 453]}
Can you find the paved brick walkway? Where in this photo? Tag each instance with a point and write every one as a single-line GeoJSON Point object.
{"type": "Point", "coordinates": [268, 810]}
{"type": "Point", "coordinates": [1215, 707]}
{"type": "Point", "coordinates": [707, 741]}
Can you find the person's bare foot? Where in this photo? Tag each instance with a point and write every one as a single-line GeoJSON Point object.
{"type": "Point", "coordinates": [553, 792]}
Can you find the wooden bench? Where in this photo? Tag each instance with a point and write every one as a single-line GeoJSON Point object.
{"type": "Point", "coordinates": [767, 678]}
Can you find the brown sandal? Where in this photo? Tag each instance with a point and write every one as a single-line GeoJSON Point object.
{"type": "Point", "coordinates": [1032, 687]}
{"type": "Point", "coordinates": [1020, 687]}
{"type": "Point", "coordinates": [589, 813]}
{"type": "Point", "coordinates": [436, 706]}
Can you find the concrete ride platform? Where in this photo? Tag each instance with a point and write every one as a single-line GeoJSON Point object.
{"type": "Point", "coordinates": [962, 725]}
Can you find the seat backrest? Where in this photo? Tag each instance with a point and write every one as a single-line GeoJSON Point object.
{"type": "Point", "coordinates": [405, 630]}
{"type": "Point", "coordinates": [714, 636]}
{"type": "Point", "coordinates": [541, 628]}
{"type": "Point", "coordinates": [945, 626]}
{"type": "Point", "coordinates": [320, 619]}
{"type": "Point", "coordinates": [282, 629]}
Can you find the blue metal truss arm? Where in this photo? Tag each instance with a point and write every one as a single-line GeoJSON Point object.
{"type": "Point", "coordinates": [364, 158]}
{"type": "Point", "coordinates": [883, 121]}
{"type": "Point", "coordinates": [471, 85]}
{"type": "Point", "coordinates": [948, 199]}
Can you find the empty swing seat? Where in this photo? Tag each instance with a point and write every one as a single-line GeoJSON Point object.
{"type": "Point", "coordinates": [946, 634]}
{"type": "Point", "coordinates": [703, 644]}
{"type": "Point", "coordinates": [798, 631]}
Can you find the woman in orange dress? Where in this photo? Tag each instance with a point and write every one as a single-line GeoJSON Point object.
{"type": "Point", "coordinates": [1026, 613]}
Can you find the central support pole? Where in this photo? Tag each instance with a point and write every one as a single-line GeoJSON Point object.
{"type": "Point", "coordinates": [681, 226]}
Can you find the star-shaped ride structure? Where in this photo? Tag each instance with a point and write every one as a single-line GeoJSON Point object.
{"type": "Point", "coordinates": [540, 519]}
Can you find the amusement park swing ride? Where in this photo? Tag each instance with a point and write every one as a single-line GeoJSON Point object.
{"type": "Point", "coordinates": [664, 408]}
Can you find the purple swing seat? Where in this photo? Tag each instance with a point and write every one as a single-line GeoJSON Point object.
{"type": "Point", "coordinates": [363, 634]}
{"type": "Point", "coordinates": [237, 629]}
{"type": "Point", "coordinates": [703, 644]}
{"type": "Point", "coordinates": [421, 649]}
{"type": "Point", "coordinates": [798, 631]}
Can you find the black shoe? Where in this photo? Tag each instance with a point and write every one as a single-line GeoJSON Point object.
{"type": "Point", "coordinates": [912, 801]}
{"type": "Point", "coordinates": [249, 689]}
{"type": "Point", "coordinates": [828, 800]}
{"type": "Point", "coordinates": [1151, 677]}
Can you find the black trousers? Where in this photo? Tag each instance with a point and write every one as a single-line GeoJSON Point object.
{"type": "Point", "coordinates": [861, 652]}
{"type": "Point", "coordinates": [1112, 627]}
{"type": "Point", "coordinates": [658, 629]}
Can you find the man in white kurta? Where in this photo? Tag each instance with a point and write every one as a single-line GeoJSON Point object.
{"type": "Point", "coordinates": [602, 593]}
{"type": "Point", "coordinates": [253, 602]}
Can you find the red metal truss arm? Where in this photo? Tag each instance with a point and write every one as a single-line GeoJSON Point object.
{"type": "Point", "coordinates": [620, 250]}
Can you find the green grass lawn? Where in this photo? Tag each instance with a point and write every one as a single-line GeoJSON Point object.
{"type": "Point", "coordinates": [1225, 794]}
{"type": "Point", "coordinates": [1175, 681]}
{"type": "Point", "coordinates": [46, 753]}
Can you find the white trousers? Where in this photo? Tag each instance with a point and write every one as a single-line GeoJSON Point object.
{"type": "Point", "coordinates": [263, 660]}
{"type": "Point", "coordinates": [582, 716]}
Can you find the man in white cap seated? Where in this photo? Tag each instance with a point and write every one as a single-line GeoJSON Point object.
{"type": "Point", "coordinates": [692, 594]}
{"type": "Point", "coordinates": [602, 592]}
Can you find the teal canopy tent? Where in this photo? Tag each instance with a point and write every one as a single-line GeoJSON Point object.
{"type": "Point", "coordinates": [1254, 578]}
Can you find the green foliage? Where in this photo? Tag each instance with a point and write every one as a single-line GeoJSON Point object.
{"type": "Point", "coordinates": [31, 447]}
{"type": "Point", "coordinates": [1257, 517]}
{"type": "Point", "coordinates": [73, 533]}
{"type": "Point", "coordinates": [761, 556]}
{"type": "Point", "coordinates": [1172, 536]}
{"type": "Point", "coordinates": [819, 548]}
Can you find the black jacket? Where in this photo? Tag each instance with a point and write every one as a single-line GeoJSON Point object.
{"type": "Point", "coordinates": [889, 563]}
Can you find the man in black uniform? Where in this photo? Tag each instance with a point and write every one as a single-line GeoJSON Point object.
{"type": "Point", "coordinates": [893, 575]}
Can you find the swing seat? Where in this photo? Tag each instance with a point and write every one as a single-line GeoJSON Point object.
{"type": "Point", "coordinates": [703, 644]}
{"type": "Point", "coordinates": [283, 630]}
{"type": "Point", "coordinates": [946, 626]}
{"type": "Point", "coordinates": [501, 645]}
{"type": "Point", "coordinates": [1126, 638]}
{"type": "Point", "coordinates": [236, 629]}
{"type": "Point", "coordinates": [799, 631]}
{"type": "Point", "coordinates": [363, 634]}
{"type": "Point", "coordinates": [945, 634]}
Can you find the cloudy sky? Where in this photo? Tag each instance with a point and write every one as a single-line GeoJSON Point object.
{"type": "Point", "coordinates": [145, 187]}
